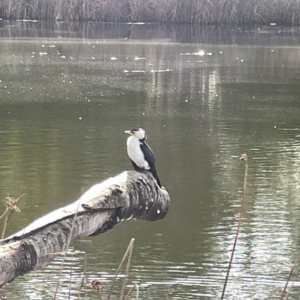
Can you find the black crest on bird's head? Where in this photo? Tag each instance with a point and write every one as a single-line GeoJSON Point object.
{"type": "Point", "coordinates": [139, 133]}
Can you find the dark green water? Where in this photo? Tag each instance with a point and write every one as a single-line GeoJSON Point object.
{"type": "Point", "coordinates": [205, 96]}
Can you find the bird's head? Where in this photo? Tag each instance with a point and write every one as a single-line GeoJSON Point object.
{"type": "Point", "coordinates": [139, 133]}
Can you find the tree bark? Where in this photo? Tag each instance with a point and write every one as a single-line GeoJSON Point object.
{"type": "Point", "coordinates": [128, 195]}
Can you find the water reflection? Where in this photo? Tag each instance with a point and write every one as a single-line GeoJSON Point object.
{"type": "Point", "coordinates": [65, 103]}
{"type": "Point", "coordinates": [198, 34]}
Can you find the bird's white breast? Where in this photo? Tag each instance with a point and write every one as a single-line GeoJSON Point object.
{"type": "Point", "coordinates": [135, 153]}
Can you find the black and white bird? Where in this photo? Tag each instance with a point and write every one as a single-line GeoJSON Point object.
{"type": "Point", "coordinates": [140, 153]}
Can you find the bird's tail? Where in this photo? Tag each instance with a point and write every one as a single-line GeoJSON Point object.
{"type": "Point", "coordinates": [156, 177]}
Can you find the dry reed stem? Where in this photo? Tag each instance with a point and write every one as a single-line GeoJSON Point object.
{"type": "Point", "coordinates": [127, 253]}
{"type": "Point", "coordinates": [244, 158]}
{"type": "Point", "coordinates": [284, 292]}
{"type": "Point", "coordinates": [130, 291]}
{"type": "Point", "coordinates": [126, 273]}
{"type": "Point", "coordinates": [65, 252]}
{"type": "Point", "coordinates": [83, 281]}
{"type": "Point", "coordinates": [11, 207]}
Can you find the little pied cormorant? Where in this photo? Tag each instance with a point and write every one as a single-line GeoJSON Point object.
{"type": "Point", "coordinates": [139, 152]}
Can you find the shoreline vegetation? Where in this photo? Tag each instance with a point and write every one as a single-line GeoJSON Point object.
{"type": "Point", "coordinates": [280, 12]}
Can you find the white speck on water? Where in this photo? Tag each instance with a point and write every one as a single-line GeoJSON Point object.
{"type": "Point", "coordinates": [63, 56]}
{"type": "Point", "coordinates": [93, 57]}
{"type": "Point", "coordinates": [33, 52]}
{"type": "Point", "coordinates": [242, 60]}
{"type": "Point", "coordinates": [200, 52]}
{"type": "Point", "coordinates": [220, 52]}
{"type": "Point", "coordinates": [272, 50]}
{"type": "Point", "coordinates": [94, 46]}
{"type": "Point", "coordinates": [275, 126]}
{"type": "Point", "coordinates": [186, 100]}
{"type": "Point", "coordinates": [147, 207]}
{"type": "Point", "coordinates": [164, 125]}
{"type": "Point", "coordinates": [63, 81]}
{"type": "Point", "coordinates": [216, 95]}
{"type": "Point", "coordinates": [236, 58]}
{"type": "Point", "coordinates": [80, 118]}
{"type": "Point", "coordinates": [143, 113]}
{"type": "Point", "coordinates": [70, 82]}
{"type": "Point", "coordinates": [43, 46]}
{"type": "Point", "coordinates": [208, 53]}
{"type": "Point", "coordinates": [114, 58]}
{"type": "Point", "coordinates": [43, 53]}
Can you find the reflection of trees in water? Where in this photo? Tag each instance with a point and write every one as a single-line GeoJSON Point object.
{"type": "Point", "coordinates": [182, 33]}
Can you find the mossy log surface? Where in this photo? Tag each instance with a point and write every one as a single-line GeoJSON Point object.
{"type": "Point", "coordinates": [128, 195]}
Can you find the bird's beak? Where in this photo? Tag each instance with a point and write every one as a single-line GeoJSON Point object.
{"type": "Point", "coordinates": [128, 132]}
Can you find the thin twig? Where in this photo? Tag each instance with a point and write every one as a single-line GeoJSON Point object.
{"type": "Point", "coordinates": [129, 249]}
{"type": "Point", "coordinates": [245, 159]}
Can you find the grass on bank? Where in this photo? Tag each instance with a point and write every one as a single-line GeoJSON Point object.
{"type": "Point", "coordinates": [282, 12]}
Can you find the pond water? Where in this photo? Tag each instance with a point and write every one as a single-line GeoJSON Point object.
{"type": "Point", "coordinates": [205, 95]}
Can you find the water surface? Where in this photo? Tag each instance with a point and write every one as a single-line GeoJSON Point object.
{"type": "Point", "coordinates": [205, 95]}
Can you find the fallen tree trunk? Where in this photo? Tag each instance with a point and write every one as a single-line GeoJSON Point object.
{"type": "Point", "coordinates": [128, 195]}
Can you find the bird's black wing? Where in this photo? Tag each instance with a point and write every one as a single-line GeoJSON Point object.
{"type": "Point", "coordinates": [148, 154]}
{"type": "Point", "coordinates": [149, 157]}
